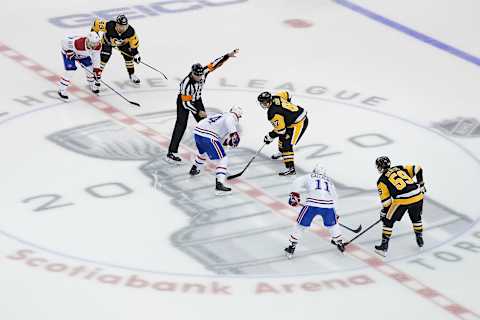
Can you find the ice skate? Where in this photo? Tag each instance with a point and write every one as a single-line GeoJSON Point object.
{"type": "Point", "coordinates": [63, 94]}
{"type": "Point", "coordinates": [277, 156]}
{"type": "Point", "coordinates": [134, 79]}
{"type": "Point", "coordinates": [382, 248]}
{"type": "Point", "coordinates": [339, 244]}
{"type": "Point", "coordinates": [289, 251]}
{"type": "Point", "coordinates": [419, 238]}
{"type": "Point", "coordinates": [172, 158]}
{"type": "Point", "coordinates": [221, 189]}
{"type": "Point", "coordinates": [288, 172]}
{"type": "Point", "coordinates": [194, 171]}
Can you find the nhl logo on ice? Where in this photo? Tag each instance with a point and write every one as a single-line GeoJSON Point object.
{"type": "Point", "coordinates": [460, 127]}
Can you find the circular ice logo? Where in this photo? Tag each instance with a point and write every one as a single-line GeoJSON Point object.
{"type": "Point", "coordinates": [101, 200]}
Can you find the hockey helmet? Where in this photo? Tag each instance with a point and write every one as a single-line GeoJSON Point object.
{"type": "Point", "coordinates": [122, 20]}
{"type": "Point", "coordinates": [265, 99]}
{"type": "Point", "coordinates": [93, 39]}
{"type": "Point", "coordinates": [197, 69]}
{"type": "Point", "coordinates": [319, 170]}
{"type": "Point", "coordinates": [237, 111]}
{"type": "Point", "coordinates": [382, 163]}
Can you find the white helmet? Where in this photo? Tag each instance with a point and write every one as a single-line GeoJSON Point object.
{"type": "Point", "coordinates": [319, 170]}
{"type": "Point", "coordinates": [93, 39]}
{"type": "Point", "coordinates": [237, 111]}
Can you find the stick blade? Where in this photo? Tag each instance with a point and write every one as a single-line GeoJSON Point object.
{"type": "Point", "coordinates": [135, 103]}
{"type": "Point", "coordinates": [358, 229]}
{"type": "Point", "coordinates": [233, 176]}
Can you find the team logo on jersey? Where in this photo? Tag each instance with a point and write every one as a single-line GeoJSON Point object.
{"type": "Point", "coordinates": [460, 127]}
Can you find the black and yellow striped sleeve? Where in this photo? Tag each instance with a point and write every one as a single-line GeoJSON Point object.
{"type": "Point", "coordinates": [384, 194]}
{"type": "Point", "coordinates": [133, 41]}
{"type": "Point", "coordinates": [284, 95]}
{"type": "Point", "coordinates": [99, 25]}
{"type": "Point", "coordinates": [414, 171]}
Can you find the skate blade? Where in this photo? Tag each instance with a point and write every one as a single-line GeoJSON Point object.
{"type": "Point", "coordinates": [381, 253]}
{"type": "Point", "coordinates": [289, 255]}
{"type": "Point", "coordinates": [170, 161]}
{"type": "Point", "coordinates": [222, 193]}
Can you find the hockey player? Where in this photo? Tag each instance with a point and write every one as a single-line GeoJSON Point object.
{"type": "Point", "coordinates": [208, 135]}
{"type": "Point", "coordinates": [190, 99]}
{"type": "Point", "coordinates": [399, 193]}
{"type": "Point", "coordinates": [85, 51]}
{"type": "Point", "coordinates": [121, 35]}
{"type": "Point", "coordinates": [289, 124]}
{"type": "Point", "coordinates": [320, 200]}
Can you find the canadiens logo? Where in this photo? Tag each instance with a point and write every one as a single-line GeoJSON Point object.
{"type": "Point", "coordinates": [460, 127]}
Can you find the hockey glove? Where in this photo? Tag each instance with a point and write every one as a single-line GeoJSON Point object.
{"type": "Point", "coordinates": [136, 58]}
{"type": "Point", "coordinates": [422, 187]}
{"type": "Point", "coordinates": [383, 214]}
{"type": "Point", "coordinates": [294, 199]}
{"type": "Point", "coordinates": [232, 140]}
{"type": "Point", "coordinates": [268, 138]}
{"type": "Point", "coordinates": [97, 73]}
{"type": "Point", "coordinates": [70, 54]}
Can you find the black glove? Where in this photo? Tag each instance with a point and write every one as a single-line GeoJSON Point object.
{"type": "Point", "coordinates": [422, 187]}
{"type": "Point", "coordinates": [268, 138]}
{"type": "Point", "coordinates": [136, 58]}
{"type": "Point", "coordinates": [383, 214]}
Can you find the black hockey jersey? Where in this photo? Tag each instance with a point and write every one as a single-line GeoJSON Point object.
{"type": "Point", "coordinates": [396, 185]}
{"type": "Point", "coordinates": [283, 114]}
{"type": "Point", "coordinates": [113, 38]}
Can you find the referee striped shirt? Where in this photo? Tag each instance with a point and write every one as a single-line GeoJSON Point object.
{"type": "Point", "coordinates": [191, 90]}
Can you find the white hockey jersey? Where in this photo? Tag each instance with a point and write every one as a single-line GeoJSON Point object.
{"type": "Point", "coordinates": [319, 188]}
{"type": "Point", "coordinates": [78, 44]}
{"type": "Point", "coordinates": [217, 126]}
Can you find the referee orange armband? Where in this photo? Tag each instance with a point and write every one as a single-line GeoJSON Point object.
{"type": "Point", "coordinates": [187, 98]}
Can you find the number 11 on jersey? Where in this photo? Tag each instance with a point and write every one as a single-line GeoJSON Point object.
{"type": "Point", "coordinates": [319, 185]}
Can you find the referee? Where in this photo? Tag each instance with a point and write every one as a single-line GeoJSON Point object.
{"type": "Point", "coordinates": [190, 99]}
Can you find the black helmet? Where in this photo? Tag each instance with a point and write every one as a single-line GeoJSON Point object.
{"type": "Point", "coordinates": [264, 99]}
{"type": "Point", "coordinates": [122, 20]}
{"type": "Point", "coordinates": [197, 69]}
{"type": "Point", "coordinates": [382, 163]}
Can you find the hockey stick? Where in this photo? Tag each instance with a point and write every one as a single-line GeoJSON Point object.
{"type": "Point", "coordinates": [233, 176]}
{"type": "Point", "coordinates": [108, 86]}
{"type": "Point", "coordinates": [358, 235]}
{"type": "Point", "coordinates": [356, 230]}
{"type": "Point", "coordinates": [130, 56]}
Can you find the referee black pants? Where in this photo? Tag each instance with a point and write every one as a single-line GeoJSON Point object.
{"type": "Point", "coordinates": [181, 123]}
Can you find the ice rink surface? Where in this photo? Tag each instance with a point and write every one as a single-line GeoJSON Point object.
{"type": "Point", "coordinates": [96, 225]}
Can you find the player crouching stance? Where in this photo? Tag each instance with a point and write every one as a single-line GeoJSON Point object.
{"type": "Point", "coordinates": [85, 50]}
{"type": "Point", "coordinates": [289, 123]}
{"type": "Point", "coordinates": [207, 134]}
{"type": "Point", "coordinates": [399, 193]}
{"type": "Point", "coordinates": [321, 199]}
